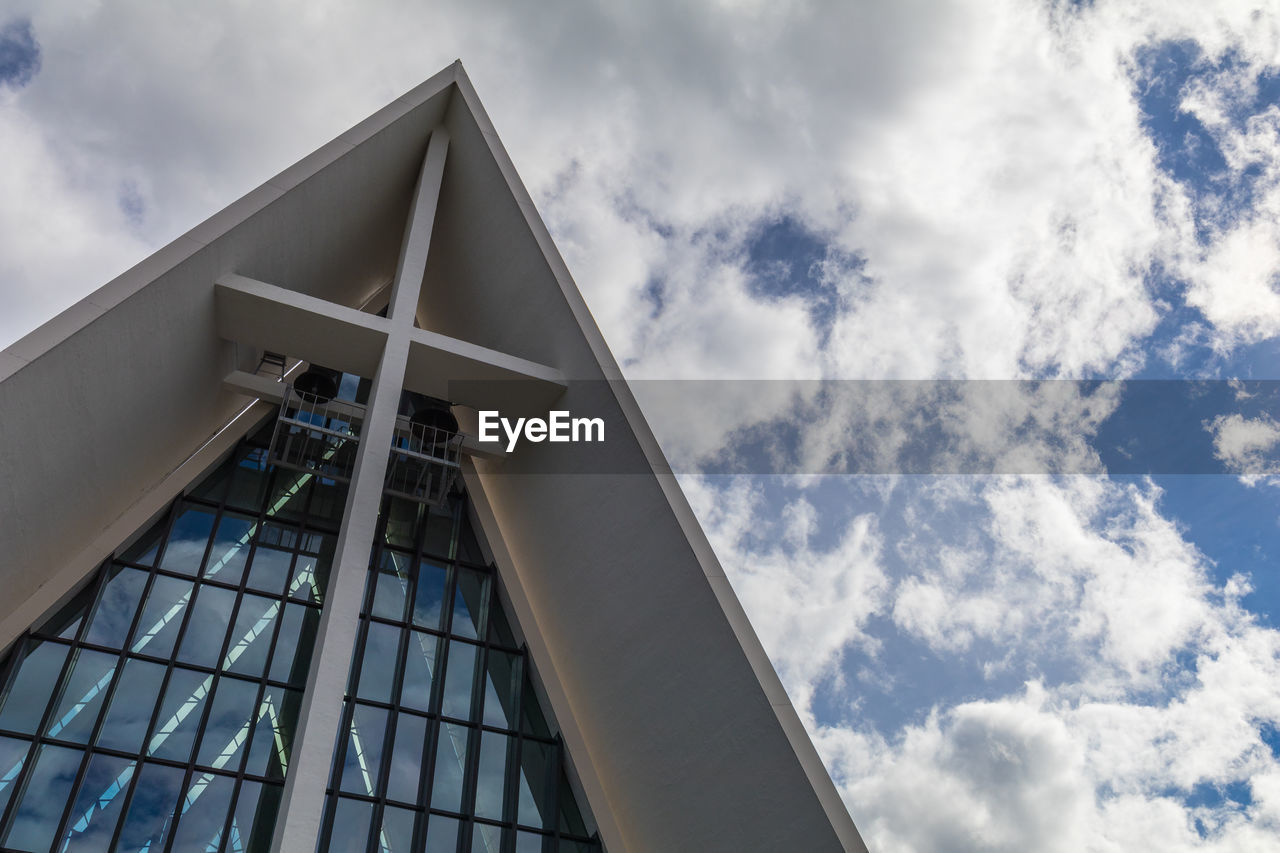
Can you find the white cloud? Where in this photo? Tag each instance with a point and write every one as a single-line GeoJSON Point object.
{"type": "Point", "coordinates": [1245, 445]}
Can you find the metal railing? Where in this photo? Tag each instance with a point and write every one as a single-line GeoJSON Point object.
{"type": "Point", "coordinates": [424, 462]}
{"type": "Point", "coordinates": [316, 435]}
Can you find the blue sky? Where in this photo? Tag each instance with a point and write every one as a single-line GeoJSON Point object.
{"type": "Point", "coordinates": [916, 190]}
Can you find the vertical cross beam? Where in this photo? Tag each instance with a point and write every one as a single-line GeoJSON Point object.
{"type": "Point", "coordinates": [302, 807]}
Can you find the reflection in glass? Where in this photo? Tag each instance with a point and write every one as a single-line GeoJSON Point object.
{"type": "Point", "coordinates": [428, 603]}
{"type": "Point", "coordinates": [131, 705]}
{"type": "Point", "coordinates": [184, 699]}
{"type": "Point", "coordinates": [207, 626]}
{"type": "Point", "coordinates": [96, 809]}
{"type": "Point", "coordinates": [230, 550]}
{"type": "Point", "coordinates": [351, 825]}
{"type": "Point", "coordinates": [406, 758]}
{"type": "Point", "coordinates": [491, 774]}
{"type": "Point", "coordinates": [442, 834]}
{"type": "Point", "coordinates": [458, 680]}
{"type": "Point", "coordinates": [419, 671]}
{"type": "Point", "coordinates": [310, 577]}
{"type": "Point", "coordinates": [251, 635]}
{"type": "Point", "coordinates": [469, 604]}
{"type": "Point", "coordinates": [161, 617]}
{"type": "Point", "coordinates": [203, 811]}
{"type": "Point", "coordinates": [24, 704]}
{"type": "Point", "coordinates": [270, 569]}
{"type": "Point", "coordinates": [397, 830]}
{"type": "Point", "coordinates": [487, 839]}
{"type": "Point", "coordinates": [82, 697]}
{"type": "Point", "coordinates": [402, 520]}
{"type": "Point", "coordinates": [378, 666]}
{"type": "Point", "coordinates": [275, 723]}
{"type": "Point", "coordinates": [527, 842]}
{"type": "Point", "coordinates": [13, 754]}
{"type": "Point", "coordinates": [293, 646]}
{"type": "Point", "coordinates": [363, 758]}
{"type": "Point", "coordinates": [254, 819]}
{"type": "Point", "coordinates": [150, 816]}
{"type": "Point", "coordinates": [391, 592]}
{"type": "Point", "coordinates": [45, 795]}
{"type": "Point", "coordinates": [187, 541]}
{"type": "Point", "coordinates": [451, 762]}
{"type": "Point", "coordinates": [114, 614]}
{"type": "Point", "coordinates": [227, 729]}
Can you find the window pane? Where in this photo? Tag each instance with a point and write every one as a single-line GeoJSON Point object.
{"type": "Point", "coordinates": [187, 540]}
{"type": "Point", "coordinates": [378, 664]}
{"type": "Point", "coordinates": [97, 807]}
{"type": "Point", "coordinates": [184, 699]}
{"type": "Point", "coordinates": [442, 834]}
{"type": "Point", "coordinates": [143, 551]}
{"type": "Point", "coordinates": [310, 577]}
{"type": "Point", "coordinates": [350, 826]}
{"type": "Point", "coordinates": [227, 730]}
{"type": "Point", "coordinates": [255, 817]}
{"type": "Point", "coordinates": [451, 763]}
{"type": "Point", "coordinates": [364, 750]}
{"type": "Point", "coordinates": [251, 636]}
{"type": "Point", "coordinates": [406, 758]}
{"type": "Point", "coordinates": [207, 627]}
{"type": "Point", "coordinates": [438, 537]}
{"type": "Point", "coordinates": [402, 521]}
{"type": "Point", "coordinates": [35, 822]}
{"type": "Point", "coordinates": [155, 800]}
{"type": "Point", "coordinates": [397, 830]}
{"type": "Point", "coordinates": [13, 754]}
{"type": "Point", "coordinates": [531, 720]}
{"type": "Point", "coordinates": [82, 697]}
{"type": "Point", "coordinates": [116, 606]}
{"type": "Point", "coordinates": [419, 671]}
{"type": "Point", "coordinates": [428, 603]}
{"type": "Point", "coordinates": [273, 730]}
{"type": "Point", "coordinates": [570, 816]}
{"type": "Point", "coordinates": [28, 695]}
{"type": "Point", "coordinates": [501, 689]}
{"type": "Point", "coordinates": [161, 617]}
{"type": "Point", "coordinates": [203, 812]}
{"type": "Point", "coordinates": [230, 549]}
{"type": "Point", "coordinates": [527, 842]}
{"type": "Point", "coordinates": [270, 569]}
{"type": "Point", "coordinates": [391, 592]}
{"type": "Point", "coordinates": [249, 480]}
{"type": "Point", "coordinates": [487, 839]}
{"type": "Point", "coordinates": [537, 772]}
{"type": "Point", "coordinates": [65, 622]}
{"type": "Point", "coordinates": [468, 546]}
{"type": "Point", "coordinates": [458, 680]}
{"type": "Point", "coordinates": [297, 637]}
{"type": "Point", "coordinates": [469, 604]}
{"type": "Point", "coordinates": [131, 705]}
{"type": "Point", "coordinates": [491, 775]}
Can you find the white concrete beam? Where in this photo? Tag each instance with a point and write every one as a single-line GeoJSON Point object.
{"type": "Point", "coordinates": [469, 375]}
{"type": "Point", "coordinates": [263, 315]}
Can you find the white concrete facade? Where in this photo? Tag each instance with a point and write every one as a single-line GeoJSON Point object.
{"type": "Point", "coordinates": [679, 732]}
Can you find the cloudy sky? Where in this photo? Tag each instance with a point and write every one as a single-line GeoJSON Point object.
{"type": "Point", "coordinates": [1015, 648]}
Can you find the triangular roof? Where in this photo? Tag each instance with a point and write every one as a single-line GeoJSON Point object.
{"type": "Point", "coordinates": [679, 729]}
